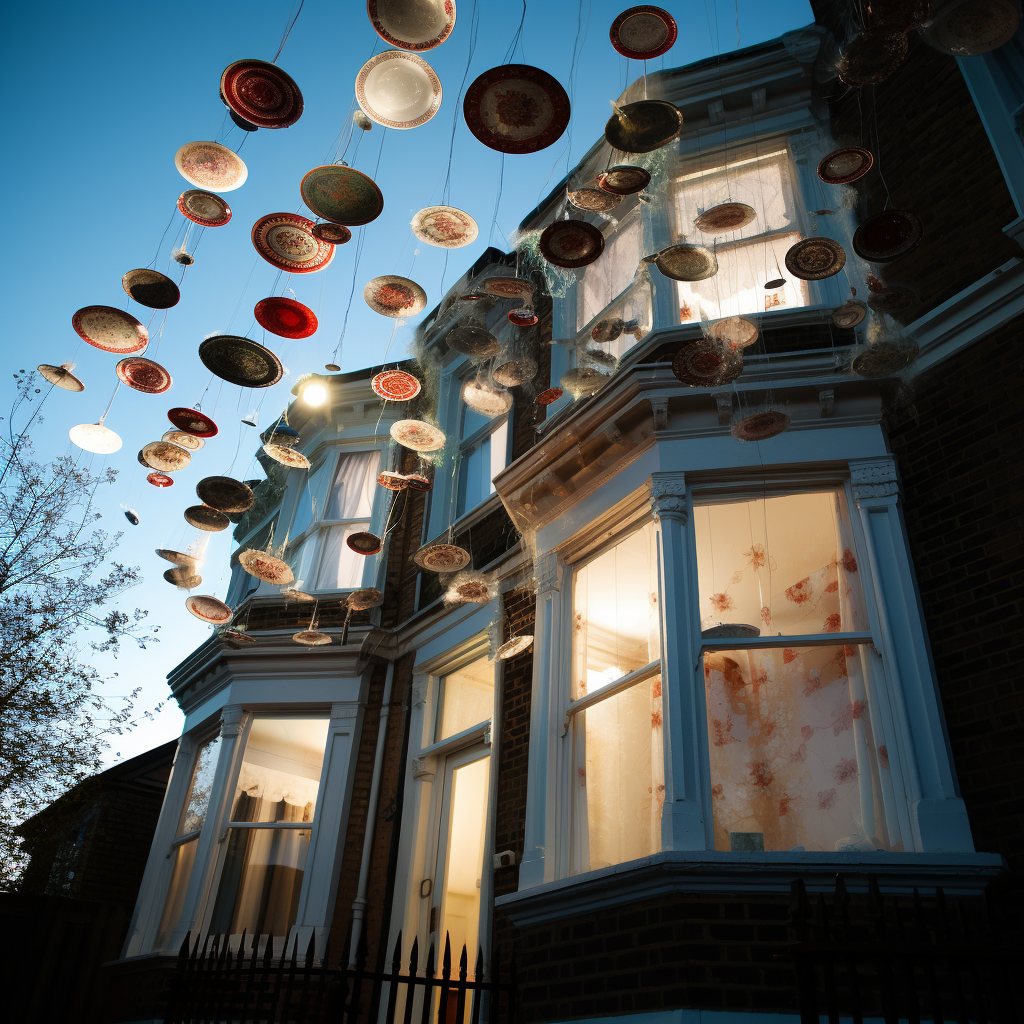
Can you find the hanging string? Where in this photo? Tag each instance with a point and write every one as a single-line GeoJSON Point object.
{"type": "Point", "coordinates": [516, 39]}
{"type": "Point", "coordinates": [111, 402]}
{"type": "Point", "coordinates": [156, 255]}
{"type": "Point", "coordinates": [474, 26]}
{"type": "Point", "coordinates": [288, 31]}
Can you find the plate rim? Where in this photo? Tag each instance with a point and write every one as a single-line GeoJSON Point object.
{"type": "Point", "coordinates": [371, 13]}
{"type": "Point", "coordinates": [205, 343]}
{"type": "Point", "coordinates": [345, 170]}
{"type": "Point", "coordinates": [415, 58]}
{"type": "Point", "coordinates": [205, 188]}
{"type": "Point", "coordinates": [76, 320]}
{"type": "Point", "coordinates": [275, 260]}
{"type": "Point", "coordinates": [298, 104]}
{"type": "Point", "coordinates": [552, 229]}
{"type": "Point", "coordinates": [620, 47]}
{"type": "Point", "coordinates": [204, 222]}
{"type": "Point", "coordinates": [290, 303]}
{"type": "Point", "coordinates": [145, 391]}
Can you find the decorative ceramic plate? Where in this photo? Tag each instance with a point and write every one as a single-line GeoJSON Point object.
{"type": "Point", "coordinates": [261, 94]}
{"type": "Point", "coordinates": [151, 288]}
{"type": "Point", "coordinates": [441, 557]}
{"type": "Point", "coordinates": [687, 262]}
{"type": "Point", "coordinates": [183, 579]}
{"type": "Point", "coordinates": [293, 594]}
{"type": "Point", "coordinates": [392, 481]}
{"type": "Point", "coordinates": [95, 438]}
{"type": "Point", "coordinates": [160, 480]}
{"type": "Point", "coordinates": [704, 364]}
{"type": "Point", "coordinates": [516, 108]}
{"type": "Point", "coordinates": [209, 609]}
{"type": "Point", "coordinates": [287, 456]}
{"type": "Point", "coordinates": [398, 89]}
{"type": "Point", "coordinates": [872, 55]}
{"type": "Point", "coordinates": [235, 636]}
{"type": "Point", "coordinates": [143, 375]}
{"type": "Point", "coordinates": [240, 361]}
{"type": "Point", "coordinates": [549, 396]}
{"type": "Point", "coordinates": [418, 26]}
{"type": "Point", "coordinates": [887, 236]}
{"type": "Point", "coordinates": [202, 517]}
{"type": "Point", "coordinates": [332, 234]}
{"type": "Point", "coordinates": [395, 385]}
{"type": "Point", "coordinates": [571, 243]}
{"type": "Point", "coordinates": [204, 208]}
{"type": "Point", "coordinates": [884, 358]}
{"type": "Point", "coordinates": [849, 314]}
{"type": "Point", "coordinates": [595, 200]}
{"type": "Point", "coordinates": [522, 317]}
{"type": "Point", "coordinates": [209, 165]}
{"type": "Point", "coordinates": [968, 28]}
{"type": "Point", "coordinates": [266, 567]}
{"type": "Point", "coordinates": [285, 317]}
{"type": "Point", "coordinates": [735, 331]}
{"type": "Point", "coordinates": [342, 195]}
{"type": "Point", "coordinates": [475, 591]}
{"type": "Point", "coordinates": [364, 543]}
{"type": "Point", "coordinates": [61, 376]}
{"type": "Point", "coordinates": [760, 426]}
{"type": "Point", "coordinates": [643, 32]}
{"type": "Point", "coordinates": [605, 331]}
{"type": "Point", "coordinates": [814, 259]}
{"type": "Point", "coordinates": [225, 494]}
{"type": "Point", "coordinates": [513, 372]}
{"type": "Point", "coordinates": [417, 435]}
{"type": "Point", "coordinates": [509, 288]}
{"type": "Point", "coordinates": [286, 241]}
{"type": "Point", "coordinates": [364, 600]}
{"type": "Point", "coordinates": [581, 381]}
{"type": "Point", "coordinates": [183, 439]}
{"type": "Point", "coordinates": [842, 166]}
{"type": "Point", "coordinates": [311, 638]}
{"type": "Point", "coordinates": [725, 217]}
{"type": "Point", "coordinates": [394, 296]}
{"type": "Point", "coordinates": [488, 401]}
{"type": "Point", "coordinates": [418, 482]}
{"type": "Point", "coordinates": [445, 226]}
{"type": "Point", "coordinates": [165, 457]}
{"type": "Point", "coordinates": [644, 126]}
{"type": "Point", "coordinates": [178, 558]}
{"type": "Point", "coordinates": [510, 648]}
{"type": "Point", "coordinates": [624, 179]}
{"type": "Point", "coordinates": [110, 329]}
{"type": "Point", "coordinates": [192, 421]}
{"type": "Point", "coordinates": [475, 342]}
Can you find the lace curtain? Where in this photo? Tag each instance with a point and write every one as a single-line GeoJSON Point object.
{"type": "Point", "coordinates": [351, 497]}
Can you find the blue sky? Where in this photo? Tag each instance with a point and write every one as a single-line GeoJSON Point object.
{"type": "Point", "coordinates": [104, 94]}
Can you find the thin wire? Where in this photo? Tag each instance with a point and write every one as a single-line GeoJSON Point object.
{"type": "Point", "coordinates": [288, 32]}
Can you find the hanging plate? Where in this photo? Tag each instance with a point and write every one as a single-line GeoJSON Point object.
{"type": "Point", "coordinates": [332, 234]}
{"type": "Point", "coordinates": [608, 330]}
{"type": "Point", "coordinates": [485, 399]}
{"type": "Point", "coordinates": [160, 480]}
{"type": "Point", "coordinates": [240, 361]}
{"type": "Point", "coordinates": [814, 259]}
{"type": "Point", "coordinates": [392, 481]}
{"type": "Point", "coordinates": [192, 421]}
{"type": "Point", "coordinates": [151, 288]}
{"type": "Point", "coordinates": [513, 372]}
{"type": "Point", "coordinates": [183, 579]}
{"type": "Point", "coordinates": [209, 165]}
{"type": "Point", "coordinates": [202, 517]}
{"type": "Point", "coordinates": [235, 636]}
{"type": "Point", "coordinates": [842, 166]}
{"type": "Point", "coordinates": [549, 396]}
{"type": "Point", "coordinates": [508, 288]}
{"type": "Point", "coordinates": [442, 558]}
{"type": "Point", "coordinates": [418, 482]}
{"type": "Point", "coordinates": [522, 317]}
{"type": "Point", "coordinates": [226, 495]}
{"type": "Point", "coordinates": [884, 358]}
{"type": "Point", "coordinates": [644, 126]}
{"type": "Point", "coordinates": [261, 94]}
{"type": "Point", "coordinates": [760, 426]}
{"type": "Point", "coordinates": [704, 364]}
{"type": "Point", "coordinates": [849, 314]}
{"type": "Point", "coordinates": [363, 600]}
{"type": "Point", "coordinates": [95, 438]}
{"type": "Point", "coordinates": [510, 648]}
{"type": "Point", "coordinates": [735, 331]}
{"type": "Point", "coordinates": [209, 609]}
{"type": "Point", "coordinates": [287, 456]}
{"type": "Point", "coordinates": [624, 179]}
{"type": "Point", "coordinates": [286, 241]}
{"type": "Point", "coordinates": [887, 236]}
{"type": "Point", "coordinates": [342, 195]}
{"type": "Point", "coordinates": [285, 317]}
{"type": "Point", "coordinates": [178, 558]}
{"type": "Point", "coordinates": [473, 341]}
{"type": "Point", "coordinates": [183, 439]}
{"type": "Point", "coordinates": [594, 200]}
{"type": "Point", "coordinates": [394, 296]}
{"type": "Point", "coordinates": [266, 567]}
{"type": "Point", "coordinates": [417, 435]}
{"type": "Point", "coordinates": [444, 226]}
{"type": "Point", "coordinates": [968, 28]}
{"type": "Point", "coordinates": [110, 329]}
{"type": "Point", "coordinates": [204, 208]}
{"type": "Point", "coordinates": [61, 376]}
{"type": "Point", "coordinates": [364, 543]}
{"type": "Point", "coordinates": [165, 457]}
{"type": "Point", "coordinates": [872, 55]}
{"type": "Point", "coordinates": [419, 26]}
{"type": "Point", "coordinates": [398, 89]}
{"type": "Point", "coordinates": [582, 381]}
{"type": "Point", "coordinates": [473, 591]}
{"type": "Point", "coordinates": [395, 385]}
{"type": "Point", "coordinates": [687, 262]}
{"type": "Point", "coordinates": [516, 108]}
{"type": "Point", "coordinates": [643, 32]}
{"type": "Point", "coordinates": [143, 375]}
{"type": "Point", "coordinates": [725, 217]}
{"type": "Point", "coordinates": [293, 594]}
{"type": "Point", "coordinates": [311, 638]}
{"type": "Point", "coordinates": [571, 243]}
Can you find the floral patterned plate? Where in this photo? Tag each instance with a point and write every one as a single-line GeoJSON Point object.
{"type": "Point", "coordinates": [311, 638]}
{"type": "Point", "coordinates": [209, 609]}
{"type": "Point", "coordinates": [444, 226]}
{"type": "Point", "coordinates": [643, 32]}
{"type": "Point", "coordinates": [814, 259]}
{"type": "Point", "coordinates": [143, 375]}
{"type": "Point", "coordinates": [204, 208]}
{"type": "Point", "coordinates": [363, 600]}
{"type": "Point", "coordinates": [704, 364]}
{"type": "Point", "coordinates": [266, 567]}
{"type": "Point", "coordinates": [160, 480]}
{"type": "Point", "coordinates": [240, 361]}
{"type": "Point", "coordinates": [332, 234]}
{"type": "Point", "coordinates": [261, 94]}
{"type": "Point", "coordinates": [735, 331]}
{"type": "Point", "coordinates": [286, 241]}
{"type": "Point", "coordinates": [342, 195]}
{"type": "Point", "coordinates": [760, 426]}
{"type": "Point", "coordinates": [395, 385]}
{"type": "Point", "coordinates": [287, 456]}
{"type": "Point", "coordinates": [419, 26]}
{"type": "Point", "coordinates": [151, 288]}
{"type": "Point", "coordinates": [571, 243]}
{"type": "Point", "coordinates": [209, 165]}
{"type": "Point", "coordinates": [110, 329]}
{"type": "Point", "coordinates": [398, 89]}
{"type": "Point", "coordinates": [417, 435]}
{"type": "Point", "coordinates": [516, 645]}
{"type": "Point", "coordinates": [165, 457]}
{"type": "Point", "coordinates": [392, 481]}
{"type": "Point", "coordinates": [516, 108]}
{"type": "Point", "coordinates": [394, 296]}
{"type": "Point", "coordinates": [441, 557]}
{"type": "Point", "coordinates": [842, 166]}
{"type": "Point", "coordinates": [287, 318]}
{"type": "Point", "coordinates": [192, 421]}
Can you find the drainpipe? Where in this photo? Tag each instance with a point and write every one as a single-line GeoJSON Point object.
{"type": "Point", "coordinates": [359, 904]}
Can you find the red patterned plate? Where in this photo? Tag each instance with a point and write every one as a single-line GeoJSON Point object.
{"type": "Point", "coordinates": [261, 93]}
{"type": "Point", "coordinates": [192, 421]}
{"type": "Point", "coordinates": [887, 236]}
{"type": "Point", "coordinates": [516, 108]}
{"type": "Point", "coordinates": [143, 375]}
{"type": "Point", "coordinates": [845, 165]}
{"type": "Point", "coordinates": [549, 396]}
{"type": "Point", "coordinates": [392, 481]}
{"type": "Point", "coordinates": [364, 543]}
{"type": "Point", "coordinates": [209, 609]}
{"type": "Point", "coordinates": [286, 241]}
{"type": "Point", "coordinates": [204, 208]}
{"type": "Point", "coordinates": [643, 32]}
{"type": "Point", "coordinates": [419, 26]}
{"type": "Point", "coordinates": [285, 317]}
{"type": "Point", "coordinates": [760, 426]}
{"type": "Point", "coordinates": [395, 385]}
{"type": "Point", "coordinates": [160, 480]}
{"type": "Point", "coordinates": [571, 243]}
{"type": "Point", "coordinates": [394, 296]}
{"type": "Point", "coordinates": [418, 482]}
{"type": "Point", "coordinates": [523, 317]}
{"type": "Point", "coordinates": [417, 435]}
{"type": "Point", "coordinates": [332, 234]}
{"type": "Point", "coordinates": [266, 567]}
{"type": "Point", "coordinates": [110, 329]}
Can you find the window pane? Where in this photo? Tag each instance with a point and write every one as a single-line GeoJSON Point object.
{"type": "Point", "coordinates": [341, 568]}
{"type": "Point", "coordinates": [615, 613]}
{"type": "Point", "coordinates": [184, 858]}
{"type": "Point", "coordinates": [198, 799]}
{"type": "Point", "coordinates": [611, 275]}
{"type": "Point", "coordinates": [280, 773]}
{"type": "Point", "coordinates": [619, 781]}
{"type": "Point", "coordinates": [352, 491]}
{"type": "Point", "coordinates": [786, 565]}
{"type": "Point", "coordinates": [261, 881]}
{"type": "Point", "coordinates": [798, 757]}
{"type": "Point", "coordinates": [499, 445]}
{"type": "Point", "coordinates": [312, 495]}
{"type": "Point", "coordinates": [466, 698]}
{"type": "Point", "coordinates": [474, 482]}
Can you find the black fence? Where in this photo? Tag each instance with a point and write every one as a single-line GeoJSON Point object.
{"type": "Point", "coordinates": [243, 981]}
{"type": "Point", "coordinates": [901, 957]}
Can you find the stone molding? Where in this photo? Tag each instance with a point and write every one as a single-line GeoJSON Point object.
{"type": "Point", "coordinates": [874, 478]}
{"type": "Point", "coordinates": [668, 496]}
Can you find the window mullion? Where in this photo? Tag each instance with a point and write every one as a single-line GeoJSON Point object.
{"type": "Point", "coordinates": [610, 690]}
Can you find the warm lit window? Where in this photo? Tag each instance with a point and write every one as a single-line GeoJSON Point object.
{"type": "Point", "coordinates": [752, 256]}
{"type": "Point", "coordinates": [617, 774]}
{"type": "Point", "coordinates": [465, 698]}
{"type": "Point", "coordinates": [608, 277]}
{"type": "Point", "coordinates": [799, 757]}
{"type": "Point", "coordinates": [484, 450]}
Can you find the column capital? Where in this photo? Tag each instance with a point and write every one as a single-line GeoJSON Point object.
{"type": "Point", "coordinates": [232, 718]}
{"type": "Point", "coordinates": [668, 496]}
{"type": "Point", "coordinates": [875, 481]}
{"type": "Point", "coordinates": [548, 570]}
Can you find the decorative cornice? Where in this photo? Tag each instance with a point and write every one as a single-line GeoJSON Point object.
{"type": "Point", "coordinates": [874, 479]}
{"type": "Point", "coordinates": [668, 496]}
{"type": "Point", "coordinates": [344, 713]}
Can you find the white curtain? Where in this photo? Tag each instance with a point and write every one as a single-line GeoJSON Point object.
{"type": "Point", "coordinates": [613, 273]}
{"type": "Point", "coordinates": [341, 568]}
{"type": "Point", "coordinates": [352, 490]}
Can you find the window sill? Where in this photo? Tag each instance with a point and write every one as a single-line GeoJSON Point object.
{"type": "Point", "coordinates": [712, 871]}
